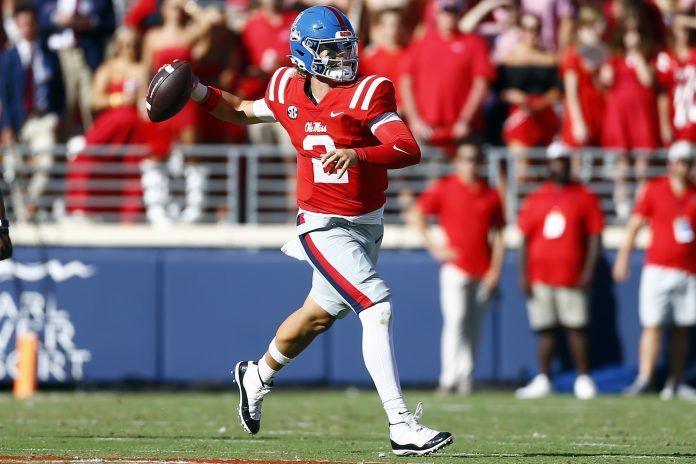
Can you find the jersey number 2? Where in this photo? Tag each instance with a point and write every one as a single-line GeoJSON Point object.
{"type": "Point", "coordinates": [321, 177]}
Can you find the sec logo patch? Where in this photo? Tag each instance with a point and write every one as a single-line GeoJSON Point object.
{"type": "Point", "coordinates": [292, 112]}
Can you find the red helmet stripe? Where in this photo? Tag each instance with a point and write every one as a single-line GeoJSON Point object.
{"type": "Point", "coordinates": [338, 15]}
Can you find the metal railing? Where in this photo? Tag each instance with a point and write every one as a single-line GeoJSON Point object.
{"type": "Point", "coordinates": [256, 183]}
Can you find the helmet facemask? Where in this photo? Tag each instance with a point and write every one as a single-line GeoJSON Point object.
{"type": "Point", "coordinates": [335, 59]}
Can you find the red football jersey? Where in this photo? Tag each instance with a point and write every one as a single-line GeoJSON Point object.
{"type": "Point", "coordinates": [341, 120]}
{"type": "Point", "coordinates": [679, 79]}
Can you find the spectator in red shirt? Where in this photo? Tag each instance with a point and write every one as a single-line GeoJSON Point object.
{"type": "Point", "coordinates": [630, 121]}
{"type": "Point", "coordinates": [445, 82]}
{"type": "Point", "coordinates": [471, 214]}
{"type": "Point", "coordinates": [386, 53]}
{"type": "Point", "coordinates": [580, 64]}
{"type": "Point", "coordinates": [631, 111]}
{"type": "Point", "coordinates": [668, 282]}
{"type": "Point", "coordinates": [561, 223]}
{"type": "Point", "coordinates": [529, 83]}
{"type": "Point", "coordinates": [675, 68]}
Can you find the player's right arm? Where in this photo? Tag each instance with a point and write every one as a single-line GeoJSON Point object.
{"type": "Point", "coordinates": [231, 108]}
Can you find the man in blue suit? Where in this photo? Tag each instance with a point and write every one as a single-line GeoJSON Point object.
{"type": "Point", "coordinates": [31, 93]}
{"type": "Point", "coordinates": [78, 31]}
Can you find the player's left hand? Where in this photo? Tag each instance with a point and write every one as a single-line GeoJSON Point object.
{"type": "Point", "coordinates": [338, 161]}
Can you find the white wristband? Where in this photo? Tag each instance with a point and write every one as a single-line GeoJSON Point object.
{"type": "Point", "coordinates": [199, 93]}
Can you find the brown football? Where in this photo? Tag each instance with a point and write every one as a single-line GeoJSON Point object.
{"type": "Point", "coordinates": [169, 91]}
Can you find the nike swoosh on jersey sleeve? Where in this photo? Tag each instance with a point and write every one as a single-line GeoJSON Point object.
{"type": "Point", "coordinates": [402, 151]}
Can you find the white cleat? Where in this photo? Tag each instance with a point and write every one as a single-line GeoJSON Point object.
{"type": "Point", "coordinates": [410, 438]}
{"type": "Point", "coordinates": [584, 387]}
{"type": "Point", "coordinates": [251, 393]}
{"type": "Point", "coordinates": [539, 387]}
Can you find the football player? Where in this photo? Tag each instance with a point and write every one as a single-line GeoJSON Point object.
{"type": "Point", "coordinates": [347, 134]}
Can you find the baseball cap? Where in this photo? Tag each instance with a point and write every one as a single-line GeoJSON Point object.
{"type": "Point", "coordinates": [455, 6]}
{"type": "Point", "coordinates": [558, 150]}
{"type": "Point", "coordinates": [681, 150]}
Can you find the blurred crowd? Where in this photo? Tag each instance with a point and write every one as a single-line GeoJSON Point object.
{"type": "Point", "coordinates": [615, 74]}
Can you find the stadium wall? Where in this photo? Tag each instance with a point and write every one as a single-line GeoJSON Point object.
{"type": "Point", "coordinates": [171, 315]}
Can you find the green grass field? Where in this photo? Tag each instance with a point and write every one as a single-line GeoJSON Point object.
{"type": "Point", "coordinates": [347, 426]}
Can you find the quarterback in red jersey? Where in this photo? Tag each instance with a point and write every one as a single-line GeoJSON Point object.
{"type": "Point", "coordinates": [350, 116]}
{"type": "Point", "coordinates": [347, 134]}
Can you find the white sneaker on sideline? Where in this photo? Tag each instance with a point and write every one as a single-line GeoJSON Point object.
{"type": "Point", "coordinates": [638, 387]}
{"type": "Point", "coordinates": [410, 438]}
{"type": "Point", "coordinates": [668, 391]}
{"type": "Point", "coordinates": [686, 392]}
{"type": "Point", "coordinates": [584, 387]}
{"type": "Point", "coordinates": [539, 387]}
{"type": "Point", "coordinates": [680, 390]}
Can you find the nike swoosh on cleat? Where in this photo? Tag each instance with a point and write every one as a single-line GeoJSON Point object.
{"type": "Point", "coordinates": [333, 115]}
{"type": "Point", "coordinates": [402, 151]}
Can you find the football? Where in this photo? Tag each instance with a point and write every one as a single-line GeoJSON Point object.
{"type": "Point", "coordinates": [169, 91]}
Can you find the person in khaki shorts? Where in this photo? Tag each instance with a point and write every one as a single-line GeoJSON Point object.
{"type": "Point", "coordinates": [561, 223]}
{"type": "Point", "coordinates": [668, 282]}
